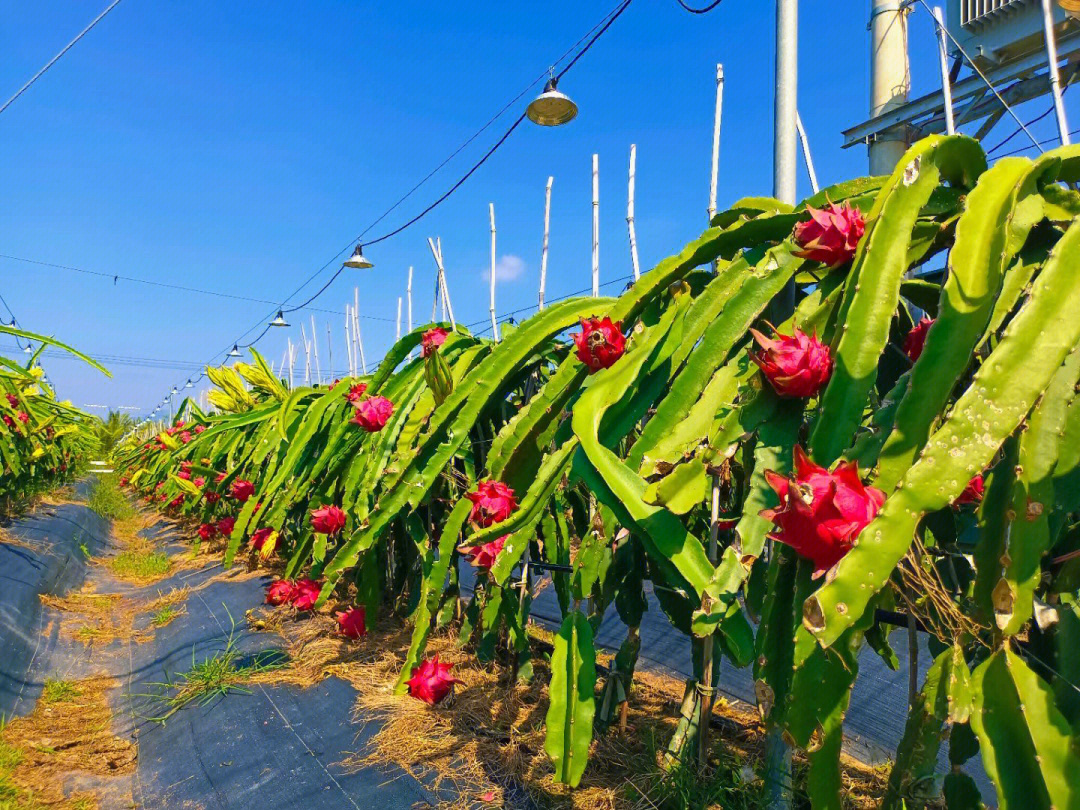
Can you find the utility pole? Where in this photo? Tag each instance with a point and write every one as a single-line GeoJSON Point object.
{"type": "Point", "coordinates": [890, 79]}
{"type": "Point", "coordinates": [778, 764]}
{"type": "Point", "coordinates": [785, 133]}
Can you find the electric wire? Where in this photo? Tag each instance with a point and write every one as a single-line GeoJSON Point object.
{"type": "Point", "coordinates": [602, 26]}
{"type": "Point", "coordinates": [614, 16]}
{"type": "Point", "coordinates": [592, 36]}
{"type": "Point", "coordinates": [180, 287]}
{"type": "Point", "coordinates": [56, 58]}
{"type": "Point", "coordinates": [1017, 131]}
{"type": "Point", "coordinates": [704, 10]}
{"type": "Point", "coordinates": [1044, 142]}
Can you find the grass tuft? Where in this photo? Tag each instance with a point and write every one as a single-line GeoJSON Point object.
{"type": "Point", "coordinates": [225, 672]}
{"type": "Point", "coordinates": [140, 564]}
{"type": "Point", "coordinates": [10, 757]}
{"type": "Point", "coordinates": [108, 500]}
{"type": "Point", "coordinates": [165, 615]}
{"type": "Point", "coordinates": [58, 690]}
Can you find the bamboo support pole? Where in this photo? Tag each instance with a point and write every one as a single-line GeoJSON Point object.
{"type": "Point", "coordinates": [292, 361]}
{"type": "Point", "coordinates": [408, 296]}
{"type": "Point", "coordinates": [329, 352]}
{"type": "Point", "coordinates": [808, 159]}
{"type": "Point", "coordinates": [630, 212]}
{"type": "Point", "coordinates": [714, 170]}
{"type": "Point", "coordinates": [315, 351]}
{"type": "Point", "coordinates": [946, 79]}
{"type": "Point", "coordinates": [307, 355]}
{"type": "Point", "coordinates": [547, 231]}
{"type": "Point", "coordinates": [348, 343]}
{"type": "Point", "coordinates": [596, 225]}
{"type": "Point", "coordinates": [356, 329]}
{"type": "Point", "coordinates": [441, 286]}
{"type": "Point", "coordinates": [491, 301]}
{"type": "Point", "coordinates": [706, 687]}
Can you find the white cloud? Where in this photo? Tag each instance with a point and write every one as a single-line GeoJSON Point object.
{"type": "Point", "coordinates": [507, 268]}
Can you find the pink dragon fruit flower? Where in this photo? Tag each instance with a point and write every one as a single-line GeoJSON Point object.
{"type": "Point", "coordinates": [352, 623]}
{"type": "Point", "coordinates": [832, 234]}
{"type": "Point", "coordinates": [915, 340]}
{"type": "Point", "coordinates": [821, 512]}
{"type": "Point", "coordinates": [493, 502]}
{"type": "Point", "coordinates": [328, 519]}
{"type": "Point", "coordinates": [431, 340]}
{"type": "Point", "coordinates": [373, 413]}
{"type": "Point", "coordinates": [797, 366]}
{"type": "Point", "coordinates": [431, 681]}
{"type": "Point", "coordinates": [305, 594]}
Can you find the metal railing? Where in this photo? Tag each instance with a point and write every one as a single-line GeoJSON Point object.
{"type": "Point", "coordinates": [977, 13]}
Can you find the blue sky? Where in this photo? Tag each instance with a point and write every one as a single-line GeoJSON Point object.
{"type": "Point", "coordinates": [238, 146]}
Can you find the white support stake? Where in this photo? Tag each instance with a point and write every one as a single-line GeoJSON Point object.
{"type": "Point", "coordinates": [445, 286]}
{"type": "Point", "coordinates": [315, 349]}
{"type": "Point", "coordinates": [714, 172]}
{"type": "Point", "coordinates": [946, 80]}
{"type": "Point", "coordinates": [356, 330]}
{"type": "Point", "coordinates": [307, 356]}
{"type": "Point", "coordinates": [630, 212]}
{"type": "Point", "coordinates": [491, 301]}
{"type": "Point", "coordinates": [408, 295]}
{"type": "Point", "coordinates": [443, 290]}
{"type": "Point", "coordinates": [329, 353]}
{"type": "Point", "coordinates": [596, 225]}
{"type": "Point", "coordinates": [547, 230]}
{"type": "Point", "coordinates": [807, 158]}
{"type": "Point", "coordinates": [1055, 77]}
{"type": "Point", "coordinates": [348, 343]}
{"type": "Point", "coordinates": [439, 297]}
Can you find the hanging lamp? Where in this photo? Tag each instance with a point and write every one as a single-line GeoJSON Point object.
{"type": "Point", "coordinates": [279, 320]}
{"type": "Point", "coordinates": [357, 260]}
{"type": "Point", "coordinates": [551, 108]}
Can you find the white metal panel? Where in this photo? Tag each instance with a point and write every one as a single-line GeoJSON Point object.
{"type": "Point", "coordinates": [980, 12]}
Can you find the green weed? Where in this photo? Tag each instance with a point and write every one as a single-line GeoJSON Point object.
{"type": "Point", "coordinates": [10, 757]}
{"type": "Point", "coordinates": [140, 564]}
{"type": "Point", "coordinates": [223, 673]}
{"type": "Point", "coordinates": [108, 500]}
{"type": "Point", "coordinates": [165, 615]}
{"type": "Point", "coordinates": [58, 690]}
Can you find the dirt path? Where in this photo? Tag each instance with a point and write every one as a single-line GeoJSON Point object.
{"type": "Point", "coordinates": [97, 628]}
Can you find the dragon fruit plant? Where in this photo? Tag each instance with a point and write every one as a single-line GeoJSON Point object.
{"type": "Point", "coordinates": [44, 442]}
{"type": "Point", "coordinates": [904, 439]}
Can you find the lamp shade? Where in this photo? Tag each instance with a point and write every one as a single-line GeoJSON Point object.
{"type": "Point", "coordinates": [551, 108]}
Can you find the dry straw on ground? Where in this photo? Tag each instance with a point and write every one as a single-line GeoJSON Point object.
{"type": "Point", "coordinates": [63, 740]}
{"type": "Point", "coordinates": [487, 746]}
{"type": "Point", "coordinates": [101, 618]}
